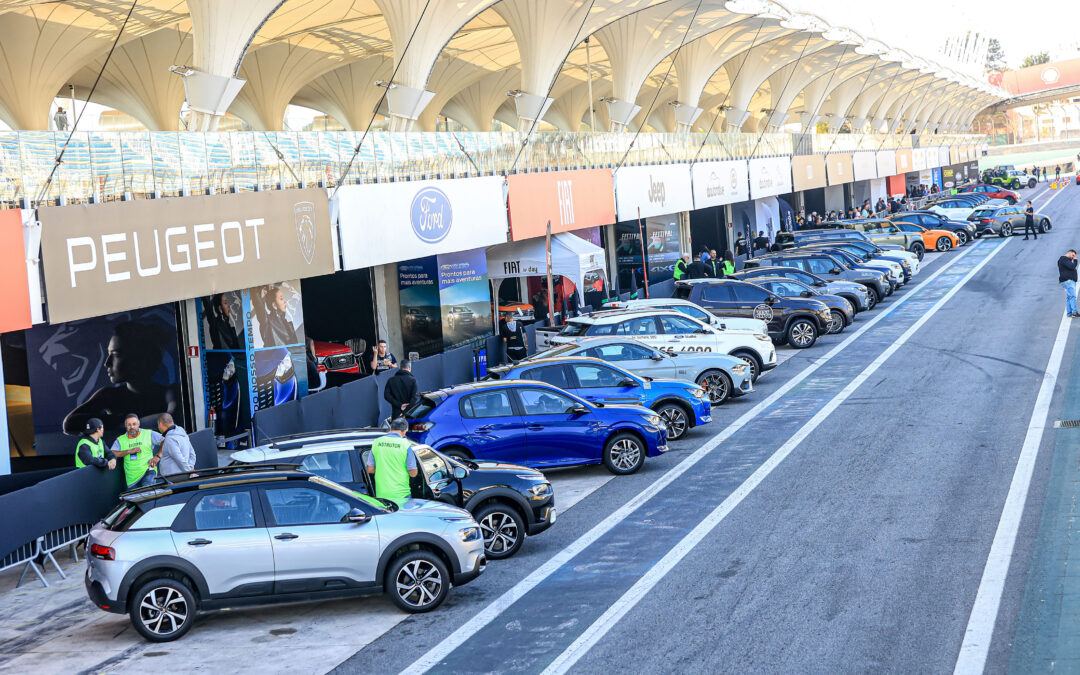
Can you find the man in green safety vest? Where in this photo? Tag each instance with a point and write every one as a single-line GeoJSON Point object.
{"type": "Point", "coordinates": [90, 450]}
{"type": "Point", "coordinates": [137, 447]}
{"type": "Point", "coordinates": [392, 463]}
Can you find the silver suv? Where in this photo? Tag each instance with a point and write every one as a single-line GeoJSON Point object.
{"type": "Point", "coordinates": [253, 535]}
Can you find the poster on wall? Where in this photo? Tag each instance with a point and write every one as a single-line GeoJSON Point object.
{"type": "Point", "coordinates": [661, 251]}
{"type": "Point", "coordinates": [744, 221]}
{"type": "Point", "coordinates": [464, 296]}
{"type": "Point", "coordinates": [659, 189]}
{"type": "Point", "coordinates": [418, 295]}
{"type": "Point", "coordinates": [276, 350]}
{"type": "Point", "coordinates": [222, 345]}
{"type": "Point", "coordinates": [105, 367]}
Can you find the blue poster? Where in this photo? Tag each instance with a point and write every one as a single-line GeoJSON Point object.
{"type": "Point", "coordinates": [418, 296]}
{"type": "Point", "coordinates": [464, 296]}
{"type": "Point", "coordinates": [937, 179]}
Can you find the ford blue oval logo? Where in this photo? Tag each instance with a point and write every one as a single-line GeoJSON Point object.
{"type": "Point", "coordinates": [431, 215]}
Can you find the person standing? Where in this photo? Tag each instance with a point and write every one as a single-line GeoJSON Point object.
{"type": "Point", "coordinates": [740, 245]}
{"type": "Point", "coordinates": [1029, 222]}
{"type": "Point", "coordinates": [515, 342]}
{"type": "Point", "coordinates": [761, 242]}
{"type": "Point", "coordinates": [729, 263]}
{"type": "Point", "coordinates": [1057, 173]}
{"type": "Point", "coordinates": [382, 360]}
{"type": "Point", "coordinates": [60, 120]}
{"type": "Point", "coordinates": [401, 390]}
{"type": "Point", "coordinates": [392, 463]}
{"type": "Point", "coordinates": [682, 266]}
{"type": "Point", "coordinates": [137, 447]}
{"type": "Point", "coordinates": [90, 450]}
{"type": "Point", "coordinates": [175, 455]}
{"type": "Point", "coordinates": [713, 269]}
{"type": "Point", "coordinates": [696, 270]}
{"type": "Point", "coordinates": [1067, 279]}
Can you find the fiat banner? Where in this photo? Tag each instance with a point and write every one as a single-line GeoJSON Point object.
{"type": "Point", "coordinates": [657, 190]}
{"type": "Point", "coordinates": [719, 183]}
{"type": "Point", "coordinates": [382, 223]}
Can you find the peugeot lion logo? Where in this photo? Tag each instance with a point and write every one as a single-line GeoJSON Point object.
{"type": "Point", "coordinates": [304, 218]}
{"type": "Point", "coordinates": [431, 215]}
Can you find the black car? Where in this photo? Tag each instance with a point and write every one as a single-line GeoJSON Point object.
{"type": "Point", "coordinates": [860, 253]}
{"type": "Point", "coordinates": [826, 267]}
{"type": "Point", "coordinates": [797, 321]}
{"type": "Point", "coordinates": [507, 500]}
{"type": "Point", "coordinates": [854, 293]}
{"type": "Point", "coordinates": [963, 230]}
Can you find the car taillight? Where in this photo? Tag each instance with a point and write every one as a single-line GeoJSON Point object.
{"type": "Point", "coordinates": [985, 220]}
{"type": "Point", "coordinates": [419, 427]}
{"type": "Point", "coordinates": [102, 552]}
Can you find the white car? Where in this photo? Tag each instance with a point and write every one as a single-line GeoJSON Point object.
{"type": "Point", "coordinates": [960, 209]}
{"type": "Point", "coordinates": [673, 332]}
{"type": "Point", "coordinates": [695, 311]}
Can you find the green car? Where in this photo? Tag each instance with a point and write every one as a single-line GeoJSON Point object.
{"type": "Point", "coordinates": [1008, 177]}
{"type": "Point", "coordinates": [883, 232]}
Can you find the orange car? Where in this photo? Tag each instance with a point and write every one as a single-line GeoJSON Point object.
{"type": "Point", "coordinates": [520, 310]}
{"type": "Point", "coordinates": [933, 240]}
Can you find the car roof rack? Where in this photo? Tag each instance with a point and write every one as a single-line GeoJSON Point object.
{"type": "Point", "coordinates": [273, 440]}
{"type": "Point", "coordinates": [192, 477]}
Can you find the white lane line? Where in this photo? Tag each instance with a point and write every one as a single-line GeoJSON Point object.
{"type": "Point", "coordinates": [624, 604]}
{"type": "Point", "coordinates": [1052, 197]}
{"type": "Point", "coordinates": [980, 627]}
{"type": "Point", "coordinates": [511, 595]}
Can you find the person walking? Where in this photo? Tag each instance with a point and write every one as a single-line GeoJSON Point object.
{"type": "Point", "coordinates": [90, 450]}
{"type": "Point", "coordinates": [382, 360]}
{"type": "Point", "coordinates": [1029, 222]}
{"type": "Point", "coordinates": [515, 342]}
{"type": "Point", "coordinates": [401, 389]}
{"type": "Point", "coordinates": [740, 244]}
{"type": "Point", "coordinates": [392, 463]}
{"type": "Point", "coordinates": [137, 447]}
{"type": "Point", "coordinates": [1067, 279]}
{"type": "Point", "coordinates": [175, 455]}
{"type": "Point", "coordinates": [682, 265]}
{"type": "Point", "coordinates": [60, 120]}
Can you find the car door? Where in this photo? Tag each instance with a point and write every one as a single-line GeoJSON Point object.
{"type": "Point", "coordinates": [598, 383]}
{"type": "Point", "coordinates": [223, 534]}
{"type": "Point", "coordinates": [435, 479]}
{"type": "Point", "coordinates": [638, 359]}
{"type": "Point", "coordinates": [315, 547]}
{"type": "Point", "coordinates": [756, 303]}
{"type": "Point", "coordinates": [559, 429]}
{"type": "Point", "coordinates": [494, 429]}
{"type": "Point", "coordinates": [683, 334]}
{"type": "Point", "coordinates": [717, 298]}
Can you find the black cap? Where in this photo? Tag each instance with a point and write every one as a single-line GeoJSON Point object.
{"type": "Point", "coordinates": [93, 424]}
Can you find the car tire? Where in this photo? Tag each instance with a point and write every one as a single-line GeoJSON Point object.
{"type": "Point", "coordinates": [1015, 185]}
{"type": "Point", "coordinates": [1032, 182]}
{"type": "Point", "coordinates": [1006, 230]}
{"type": "Point", "coordinates": [624, 453]}
{"type": "Point", "coordinates": [836, 322]}
{"type": "Point", "coordinates": [961, 237]}
{"type": "Point", "coordinates": [1045, 226]}
{"type": "Point", "coordinates": [160, 600]}
{"type": "Point", "coordinates": [716, 383]}
{"type": "Point", "coordinates": [918, 249]}
{"type": "Point", "coordinates": [457, 452]}
{"type": "Point", "coordinates": [752, 361]}
{"type": "Point", "coordinates": [503, 530]}
{"type": "Point", "coordinates": [943, 244]}
{"type": "Point", "coordinates": [675, 418]}
{"type": "Point", "coordinates": [874, 297]}
{"type": "Point", "coordinates": [417, 581]}
{"type": "Point", "coordinates": [801, 333]}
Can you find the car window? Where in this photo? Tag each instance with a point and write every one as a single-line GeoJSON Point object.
{"type": "Point", "coordinates": [487, 404]}
{"type": "Point", "coordinates": [592, 376]}
{"type": "Point", "coordinates": [574, 328]}
{"type": "Point", "coordinates": [928, 220]}
{"type": "Point", "coordinates": [305, 506]}
{"type": "Point", "coordinates": [333, 466]}
{"type": "Point", "coordinates": [796, 264]}
{"type": "Point", "coordinates": [716, 293]}
{"type": "Point", "coordinates": [224, 511]}
{"type": "Point", "coordinates": [433, 466]}
{"type": "Point", "coordinates": [786, 288]}
{"type": "Point", "coordinates": [619, 352]}
{"type": "Point", "coordinates": [821, 265]}
{"type": "Point", "coordinates": [677, 325]}
{"type": "Point", "coordinates": [544, 402]}
{"type": "Point", "coordinates": [553, 375]}
{"type": "Point", "coordinates": [640, 326]}
{"type": "Point", "coordinates": [699, 314]}
{"type": "Point", "coordinates": [602, 329]}
{"type": "Point", "coordinates": [749, 293]}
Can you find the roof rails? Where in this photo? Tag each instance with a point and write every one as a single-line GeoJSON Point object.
{"type": "Point", "coordinates": [274, 440]}
{"type": "Point", "coordinates": [159, 490]}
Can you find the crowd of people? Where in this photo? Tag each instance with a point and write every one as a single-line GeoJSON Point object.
{"type": "Point", "coordinates": [146, 454]}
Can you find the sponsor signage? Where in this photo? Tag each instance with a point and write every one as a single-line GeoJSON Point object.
{"type": "Point", "coordinates": [571, 200]}
{"type": "Point", "coordinates": [954, 154]}
{"type": "Point", "coordinates": [15, 300]}
{"type": "Point", "coordinates": [769, 176]}
{"type": "Point", "coordinates": [943, 155]}
{"type": "Point", "coordinates": [807, 172]}
{"type": "Point", "coordinates": [886, 163]}
{"type": "Point", "coordinates": [903, 160]}
{"type": "Point", "coordinates": [864, 165]}
{"type": "Point", "coordinates": [104, 258]}
{"type": "Point", "coordinates": [381, 223]}
{"type": "Point", "coordinates": [656, 190]}
{"type": "Point", "coordinates": [719, 183]}
{"type": "Point", "coordinates": [964, 155]}
{"type": "Point", "coordinates": [918, 159]}
{"type": "Point", "coordinates": [840, 168]}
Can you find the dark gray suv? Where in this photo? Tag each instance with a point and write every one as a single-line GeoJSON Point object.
{"type": "Point", "coordinates": [827, 267]}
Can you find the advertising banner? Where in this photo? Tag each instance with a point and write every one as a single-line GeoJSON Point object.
{"type": "Point", "coordinates": [465, 296]}
{"type": "Point", "coordinates": [381, 222]}
{"type": "Point", "coordinates": [769, 176]}
{"type": "Point", "coordinates": [656, 190]}
{"type": "Point", "coordinates": [954, 154]}
{"type": "Point", "coordinates": [104, 367]}
{"type": "Point", "coordinates": [948, 177]}
{"type": "Point", "coordinates": [418, 295]}
{"type": "Point", "coordinates": [15, 299]}
{"type": "Point", "coordinates": [918, 159]}
{"type": "Point", "coordinates": [103, 258]}
{"type": "Point", "coordinates": [864, 165]}
{"type": "Point", "coordinates": [719, 183]}
{"type": "Point", "coordinates": [807, 172]}
{"type": "Point", "coordinates": [571, 200]}
{"type": "Point", "coordinates": [936, 175]}
{"type": "Point", "coordinates": [943, 155]}
{"type": "Point", "coordinates": [963, 153]}
{"type": "Point", "coordinates": [886, 163]}
{"type": "Point", "coordinates": [840, 168]}
{"type": "Point", "coordinates": [661, 250]}
{"type": "Point", "coordinates": [903, 160]}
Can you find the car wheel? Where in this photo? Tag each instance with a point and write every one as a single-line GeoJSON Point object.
{"type": "Point", "coordinates": [503, 530]}
{"type": "Point", "coordinates": [457, 453]}
{"type": "Point", "coordinates": [872, 293]}
{"type": "Point", "coordinates": [623, 454]}
{"type": "Point", "coordinates": [1015, 184]}
{"type": "Point", "coordinates": [943, 244]}
{"type": "Point", "coordinates": [1045, 226]}
{"type": "Point", "coordinates": [162, 609]}
{"type": "Point", "coordinates": [717, 385]}
{"type": "Point", "coordinates": [417, 581]}
{"type": "Point", "coordinates": [961, 237]}
{"type": "Point", "coordinates": [836, 321]}
{"type": "Point", "coordinates": [675, 419]}
{"type": "Point", "coordinates": [918, 249]}
{"type": "Point", "coordinates": [802, 334]}
{"type": "Point", "coordinates": [751, 360]}
{"type": "Point", "coordinates": [1006, 230]}
{"type": "Point", "coordinates": [1032, 182]}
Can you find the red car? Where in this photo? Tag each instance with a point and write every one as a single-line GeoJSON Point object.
{"type": "Point", "coordinates": [335, 357]}
{"type": "Point", "coordinates": [992, 191]}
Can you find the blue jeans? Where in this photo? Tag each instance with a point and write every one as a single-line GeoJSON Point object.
{"type": "Point", "coordinates": [148, 478]}
{"type": "Point", "coordinates": [1070, 296]}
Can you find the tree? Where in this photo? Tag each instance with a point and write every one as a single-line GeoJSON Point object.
{"type": "Point", "coordinates": [995, 56]}
{"type": "Point", "coordinates": [1035, 60]}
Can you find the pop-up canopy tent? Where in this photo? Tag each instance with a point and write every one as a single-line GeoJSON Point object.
{"type": "Point", "coordinates": [571, 257]}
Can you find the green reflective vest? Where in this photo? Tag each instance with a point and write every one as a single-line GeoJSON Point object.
{"type": "Point", "coordinates": [729, 267]}
{"type": "Point", "coordinates": [391, 473]}
{"type": "Point", "coordinates": [680, 270]}
{"type": "Point", "coordinates": [136, 465]}
{"type": "Point", "coordinates": [97, 449]}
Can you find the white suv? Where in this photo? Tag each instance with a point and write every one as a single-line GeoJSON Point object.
{"type": "Point", "coordinates": [695, 311]}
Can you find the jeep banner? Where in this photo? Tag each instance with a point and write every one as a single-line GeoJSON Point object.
{"type": "Point", "coordinates": [656, 190]}
{"type": "Point", "coordinates": [719, 183]}
{"type": "Point", "coordinates": [382, 223]}
{"type": "Point", "coordinates": [105, 258]}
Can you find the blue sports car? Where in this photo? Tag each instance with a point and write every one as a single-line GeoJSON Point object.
{"type": "Point", "coordinates": [681, 405]}
{"type": "Point", "coordinates": [535, 424]}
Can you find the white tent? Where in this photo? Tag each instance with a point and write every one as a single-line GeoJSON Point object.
{"type": "Point", "coordinates": [571, 257]}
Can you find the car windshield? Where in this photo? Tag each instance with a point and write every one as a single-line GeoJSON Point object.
{"type": "Point", "coordinates": [984, 213]}
{"type": "Point", "coordinates": [421, 408]}
{"type": "Point", "coordinates": [574, 329]}
{"type": "Point", "coordinates": [385, 506]}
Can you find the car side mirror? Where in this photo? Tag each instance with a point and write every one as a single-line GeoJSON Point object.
{"type": "Point", "coordinates": [357, 516]}
{"type": "Point", "coordinates": [577, 410]}
{"type": "Point", "coordinates": [835, 270]}
{"type": "Point", "coordinates": [820, 283]}
{"type": "Point", "coordinates": [628, 383]}
{"type": "Point", "coordinates": [657, 357]}
{"type": "Point", "coordinates": [806, 294]}
{"type": "Point", "coordinates": [460, 472]}
{"type": "Point", "coordinates": [771, 300]}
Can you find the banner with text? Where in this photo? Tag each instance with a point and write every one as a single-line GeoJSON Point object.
{"type": "Point", "coordinates": [464, 296]}
{"type": "Point", "coordinates": [769, 176]}
{"type": "Point", "coordinates": [864, 165]}
{"type": "Point", "coordinates": [840, 168]}
{"type": "Point", "coordinates": [719, 183]}
{"type": "Point", "coordinates": [808, 172]}
{"type": "Point", "coordinates": [656, 190]}
{"type": "Point", "coordinates": [571, 200]}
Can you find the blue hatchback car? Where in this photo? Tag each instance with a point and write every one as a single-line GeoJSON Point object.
{"type": "Point", "coordinates": [681, 405]}
{"type": "Point", "coordinates": [535, 424]}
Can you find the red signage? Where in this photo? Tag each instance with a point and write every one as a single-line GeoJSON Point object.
{"type": "Point", "coordinates": [15, 300]}
{"type": "Point", "coordinates": [571, 200]}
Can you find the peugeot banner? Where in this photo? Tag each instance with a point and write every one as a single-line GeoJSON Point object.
{"type": "Point", "coordinates": [382, 223]}
{"type": "Point", "coordinates": [644, 191]}
{"type": "Point", "coordinates": [105, 258]}
{"type": "Point", "coordinates": [719, 183]}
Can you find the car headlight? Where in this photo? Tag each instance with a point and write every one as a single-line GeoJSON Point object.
{"type": "Point", "coordinates": [697, 392]}
{"type": "Point", "coordinates": [469, 533]}
{"type": "Point", "coordinates": [740, 369]}
{"type": "Point", "coordinates": [825, 314]}
{"type": "Point", "coordinates": [654, 420]}
{"type": "Point", "coordinates": [540, 490]}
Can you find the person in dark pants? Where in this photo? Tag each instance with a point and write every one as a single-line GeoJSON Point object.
{"type": "Point", "coordinates": [401, 390]}
{"type": "Point", "coordinates": [1029, 222]}
{"type": "Point", "coordinates": [514, 340]}
{"type": "Point", "coordinates": [1067, 279]}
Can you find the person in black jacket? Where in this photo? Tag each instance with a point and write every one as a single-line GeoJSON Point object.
{"type": "Point", "coordinates": [401, 390]}
{"type": "Point", "coordinates": [761, 242]}
{"type": "Point", "coordinates": [1067, 280]}
{"type": "Point", "coordinates": [514, 340]}
{"type": "Point", "coordinates": [1029, 222]}
{"type": "Point", "coordinates": [695, 270]}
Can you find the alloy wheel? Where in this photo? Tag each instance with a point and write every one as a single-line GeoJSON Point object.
{"type": "Point", "coordinates": [836, 323]}
{"type": "Point", "coordinates": [961, 237]}
{"type": "Point", "coordinates": [802, 334]}
{"type": "Point", "coordinates": [716, 386]}
{"type": "Point", "coordinates": [943, 244]}
{"type": "Point", "coordinates": [1006, 230]}
{"type": "Point", "coordinates": [625, 454]}
{"type": "Point", "coordinates": [675, 419]}
{"type": "Point", "coordinates": [752, 362]}
{"type": "Point", "coordinates": [500, 532]}
{"type": "Point", "coordinates": [419, 583]}
{"type": "Point", "coordinates": [163, 610]}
